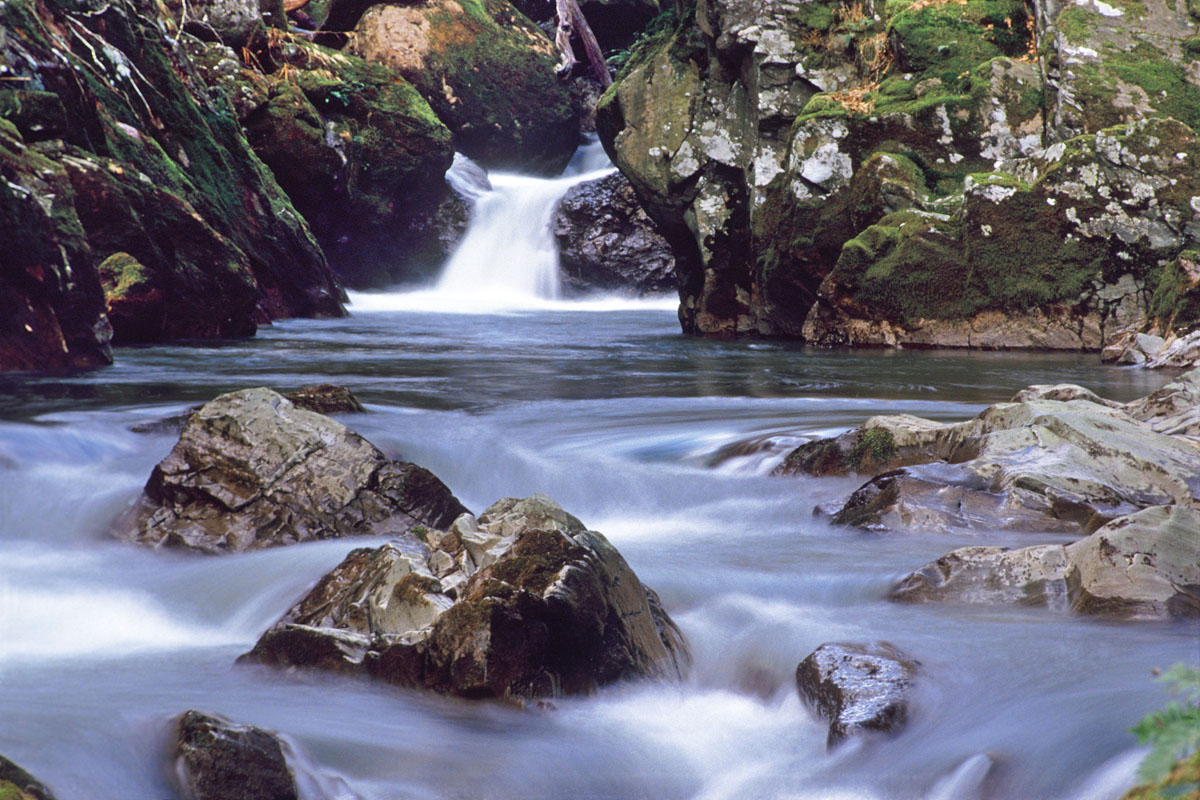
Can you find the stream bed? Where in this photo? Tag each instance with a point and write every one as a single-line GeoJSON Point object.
{"type": "Point", "coordinates": [659, 441]}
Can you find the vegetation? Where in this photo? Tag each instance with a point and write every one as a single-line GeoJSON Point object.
{"type": "Point", "coordinates": [1172, 767]}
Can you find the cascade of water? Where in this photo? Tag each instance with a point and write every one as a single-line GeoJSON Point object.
{"type": "Point", "coordinates": [508, 254]}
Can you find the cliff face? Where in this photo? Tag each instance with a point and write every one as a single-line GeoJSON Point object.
{"type": "Point", "coordinates": [134, 156]}
{"type": "Point", "coordinates": [987, 173]}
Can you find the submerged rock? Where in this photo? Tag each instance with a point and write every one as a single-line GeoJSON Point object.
{"type": "Point", "coordinates": [216, 759]}
{"type": "Point", "coordinates": [326, 398]}
{"type": "Point", "coordinates": [1141, 566]}
{"type": "Point", "coordinates": [606, 241]}
{"type": "Point", "coordinates": [252, 470]}
{"type": "Point", "coordinates": [524, 602]}
{"type": "Point", "coordinates": [17, 784]}
{"type": "Point", "coordinates": [1058, 458]}
{"type": "Point", "coordinates": [858, 687]}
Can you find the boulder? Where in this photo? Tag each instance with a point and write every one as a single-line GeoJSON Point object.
{"type": "Point", "coordinates": [522, 602]}
{"type": "Point", "coordinates": [606, 242]}
{"type": "Point", "coordinates": [232, 22]}
{"type": "Point", "coordinates": [216, 759]}
{"type": "Point", "coordinates": [132, 299]}
{"type": "Point", "coordinates": [326, 398]}
{"type": "Point", "coordinates": [858, 687]}
{"type": "Point", "coordinates": [487, 72]}
{"type": "Point", "coordinates": [1141, 566]}
{"type": "Point", "coordinates": [51, 304]}
{"type": "Point", "coordinates": [252, 470]}
{"type": "Point", "coordinates": [1057, 458]}
{"type": "Point", "coordinates": [357, 150]}
{"type": "Point", "coordinates": [17, 784]}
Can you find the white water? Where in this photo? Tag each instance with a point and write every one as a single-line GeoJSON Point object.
{"type": "Point", "coordinates": [508, 259]}
{"type": "Point", "coordinates": [630, 426]}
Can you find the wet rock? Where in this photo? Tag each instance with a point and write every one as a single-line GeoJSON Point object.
{"type": "Point", "coordinates": [1058, 458]}
{"type": "Point", "coordinates": [1141, 566]}
{"type": "Point", "coordinates": [487, 72]}
{"type": "Point", "coordinates": [17, 784]}
{"type": "Point", "coordinates": [230, 21]}
{"type": "Point", "coordinates": [133, 300]}
{"type": "Point", "coordinates": [160, 171]}
{"type": "Point", "coordinates": [858, 687]}
{"type": "Point", "coordinates": [522, 603]}
{"type": "Point", "coordinates": [216, 759]}
{"type": "Point", "coordinates": [607, 242]}
{"type": "Point", "coordinates": [51, 305]}
{"type": "Point", "coordinates": [252, 470]}
{"type": "Point", "coordinates": [326, 399]}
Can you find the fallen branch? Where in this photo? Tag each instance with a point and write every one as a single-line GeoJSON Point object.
{"type": "Point", "coordinates": [570, 21]}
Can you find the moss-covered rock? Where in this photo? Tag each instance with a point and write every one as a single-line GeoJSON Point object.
{"type": "Point", "coordinates": [51, 305]}
{"type": "Point", "coordinates": [1072, 252]}
{"type": "Point", "coordinates": [141, 132]}
{"type": "Point", "coordinates": [486, 70]}
{"type": "Point", "coordinates": [357, 149]}
{"type": "Point", "coordinates": [17, 784]}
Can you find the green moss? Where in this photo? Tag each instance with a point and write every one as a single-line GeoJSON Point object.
{"type": "Point", "coordinates": [1191, 47]}
{"type": "Point", "coordinates": [873, 450]}
{"type": "Point", "coordinates": [1175, 297]}
{"type": "Point", "coordinates": [948, 40]}
{"type": "Point", "coordinates": [1163, 79]}
{"type": "Point", "coordinates": [122, 274]}
{"type": "Point", "coordinates": [10, 791]}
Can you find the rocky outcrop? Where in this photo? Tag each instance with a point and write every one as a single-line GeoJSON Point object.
{"type": "Point", "coordinates": [607, 242]}
{"type": "Point", "coordinates": [216, 759]}
{"type": "Point", "coordinates": [1057, 458]}
{"type": "Point", "coordinates": [936, 174]}
{"type": "Point", "coordinates": [51, 304]}
{"type": "Point", "coordinates": [17, 784]}
{"type": "Point", "coordinates": [230, 21]}
{"type": "Point", "coordinates": [158, 170]}
{"type": "Point", "coordinates": [251, 470]}
{"type": "Point", "coordinates": [355, 147]}
{"type": "Point", "coordinates": [488, 73]}
{"type": "Point", "coordinates": [1141, 566]}
{"type": "Point", "coordinates": [858, 687]}
{"type": "Point", "coordinates": [326, 398]}
{"type": "Point", "coordinates": [1075, 249]}
{"type": "Point", "coordinates": [522, 602]}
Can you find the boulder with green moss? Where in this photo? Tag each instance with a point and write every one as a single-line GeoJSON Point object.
{"type": "Point", "coordinates": [523, 602]}
{"type": "Point", "coordinates": [487, 72]}
{"type": "Point", "coordinates": [357, 149]}
{"type": "Point", "coordinates": [143, 137]}
{"type": "Point", "coordinates": [132, 298]}
{"type": "Point", "coordinates": [1060, 260]}
{"type": "Point", "coordinates": [51, 305]}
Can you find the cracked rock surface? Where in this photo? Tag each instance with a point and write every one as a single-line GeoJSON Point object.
{"type": "Point", "coordinates": [252, 470]}
{"type": "Point", "coordinates": [522, 602]}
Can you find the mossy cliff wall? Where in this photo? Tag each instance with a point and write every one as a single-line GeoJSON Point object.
{"type": "Point", "coordinates": [156, 168]}
{"type": "Point", "coordinates": [919, 193]}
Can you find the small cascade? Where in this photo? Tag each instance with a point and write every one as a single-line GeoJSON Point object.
{"type": "Point", "coordinates": [508, 255]}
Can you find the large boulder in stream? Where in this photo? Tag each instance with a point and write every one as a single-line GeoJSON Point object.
{"type": "Point", "coordinates": [17, 784]}
{"type": "Point", "coordinates": [607, 242]}
{"type": "Point", "coordinates": [522, 602]}
{"type": "Point", "coordinates": [857, 687]}
{"type": "Point", "coordinates": [252, 470]}
{"type": "Point", "coordinates": [1057, 458]}
{"type": "Point", "coordinates": [216, 759]}
{"type": "Point", "coordinates": [1142, 566]}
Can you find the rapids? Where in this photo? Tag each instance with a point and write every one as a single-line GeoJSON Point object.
{"type": "Point", "coordinates": [660, 441]}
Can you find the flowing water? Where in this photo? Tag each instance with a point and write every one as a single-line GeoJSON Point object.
{"type": "Point", "coordinates": [661, 442]}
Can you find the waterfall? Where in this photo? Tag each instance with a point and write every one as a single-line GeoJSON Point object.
{"type": "Point", "coordinates": [508, 258]}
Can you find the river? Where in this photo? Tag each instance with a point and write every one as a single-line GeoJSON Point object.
{"type": "Point", "coordinates": [661, 442]}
